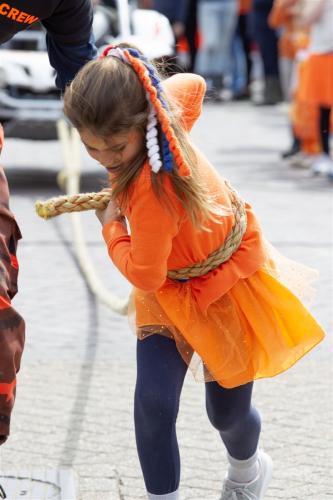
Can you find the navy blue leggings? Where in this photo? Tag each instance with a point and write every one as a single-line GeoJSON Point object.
{"type": "Point", "coordinates": [160, 376]}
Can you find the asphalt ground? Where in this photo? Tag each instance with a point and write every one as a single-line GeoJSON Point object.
{"type": "Point", "coordinates": [75, 389]}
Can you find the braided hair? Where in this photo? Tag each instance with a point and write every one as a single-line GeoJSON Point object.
{"type": "Point", "coordinates": [123, 90]}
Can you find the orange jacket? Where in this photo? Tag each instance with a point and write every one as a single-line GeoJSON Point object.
{"type": "Point", "coordinates": [159, 240]}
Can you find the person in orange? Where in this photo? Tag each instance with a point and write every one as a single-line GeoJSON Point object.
{"type": "Point", "coordinates": [317, 81]}
{"type": "Point", "coordinates": [243, 38]}
{"type": "Point", "coordinates": [284, 17]}
{"type": "Point", "coordinates": [209, 290]}
{"type": "Point", "coordinates": [304, 119]}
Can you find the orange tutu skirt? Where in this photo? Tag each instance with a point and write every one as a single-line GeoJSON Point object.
{"type": "Point", "coordinates": [257, 329]}
{"type": "Point", "coordinates": [317, 80]}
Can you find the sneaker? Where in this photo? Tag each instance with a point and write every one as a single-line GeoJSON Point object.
{"type": "Point", "coordinates": [300, 160]}
{"type": "Point", "coordinates": [323, 164]}
{"type": "Point", "coordinates": [254, 490]}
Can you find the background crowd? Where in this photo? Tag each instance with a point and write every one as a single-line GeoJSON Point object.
{"type": "Point", "coordinates": [286, 45]}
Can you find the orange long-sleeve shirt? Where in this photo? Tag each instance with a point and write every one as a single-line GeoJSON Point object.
{"type": "Point", "coordinates": [160, 240]}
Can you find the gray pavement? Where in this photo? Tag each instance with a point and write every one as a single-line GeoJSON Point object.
{"type": "Point", "coordinates": [75, 388]}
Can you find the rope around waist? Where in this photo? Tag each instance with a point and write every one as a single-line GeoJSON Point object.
{"type": "Point", "coordinates": [222, 254]}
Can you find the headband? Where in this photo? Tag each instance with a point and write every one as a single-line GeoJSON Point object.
{"type": "Point", "coordinates": [158, 113]}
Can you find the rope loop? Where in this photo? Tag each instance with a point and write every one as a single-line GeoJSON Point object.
{"type": "Point", "coordinates": [222, 254]}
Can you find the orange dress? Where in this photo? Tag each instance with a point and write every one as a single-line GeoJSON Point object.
{"type": "Point", "coordinates": [238, 322]}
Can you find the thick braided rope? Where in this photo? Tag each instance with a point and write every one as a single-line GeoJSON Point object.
{"type": "Point", "coordinates": [162, 115]}
{"type": "Point", "coordinates": [74, 203]}
{"type": "Point", "coordinates": [223, 253]}
{"type": "Point", "coordinates": [92, 201]}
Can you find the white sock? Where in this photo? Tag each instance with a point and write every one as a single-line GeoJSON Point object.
{"type": "Point", "coordinates": [243, 471]}
{"type": "Point", "coordinates": [168, 496]}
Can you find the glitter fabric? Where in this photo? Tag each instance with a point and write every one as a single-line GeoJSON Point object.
{"type": "Point", "coordinates": [259, 328]}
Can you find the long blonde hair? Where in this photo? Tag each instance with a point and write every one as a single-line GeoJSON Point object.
{"type": "Point", "coordinates": [107, 97]}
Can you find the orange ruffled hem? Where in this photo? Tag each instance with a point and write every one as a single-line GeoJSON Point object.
{"type": "Point", "coordinates": [258, 329]}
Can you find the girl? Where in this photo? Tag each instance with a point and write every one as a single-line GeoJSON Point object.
{"type": "Point", "coordinates": [207, 287]}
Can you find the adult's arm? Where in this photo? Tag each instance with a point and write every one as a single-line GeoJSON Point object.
{"type": "Point", "coordinates": [69, 38]}
{"type": "Point", "coordinates": [12, 327]}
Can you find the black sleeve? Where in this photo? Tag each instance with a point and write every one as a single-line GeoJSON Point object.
{"type": "Point", "coordinates": [71, 22]}
{"type": "Point", "coordinates": [67, 60]}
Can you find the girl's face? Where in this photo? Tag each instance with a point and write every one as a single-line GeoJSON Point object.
{"type": "Point", "coordinates": [115, 152]}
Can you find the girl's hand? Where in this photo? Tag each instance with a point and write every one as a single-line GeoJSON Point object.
{"type": "Point", "coordinates": [110, 213]}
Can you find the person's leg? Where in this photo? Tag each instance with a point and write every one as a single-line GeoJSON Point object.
{"type": "Point", "coordinates": [323, 164]}
{"type": "Point", "coordinates": [243, 31]}
{"type": "Point", "coordinates": [160, 376]}
{"type": "Point", "coordinates": [266, 37]}
{"type": "Point", "coordinates": [191, 27]}
{"type": "Point", "coordinates": [286, 73]}
{"type": "Point", "coordinates": [324, 129]}
{"type": "Point", "coordinates": [238, 422]}
{"type": "Point", "coordinates": [268, 45]}
{"type": "Point", "coordinates": [231, 413]}
{"type": "Point", "coordinates": [207, 63]}
{"type": "Point", "coordinates": [239, 79]}
{"type": "Point", "coordinates": [226, 13]}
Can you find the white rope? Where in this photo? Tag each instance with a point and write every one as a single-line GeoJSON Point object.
{"type": "Point", "coordinates": [153, 148]}
{"type": "Point", "coordinates": [70, 141]}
